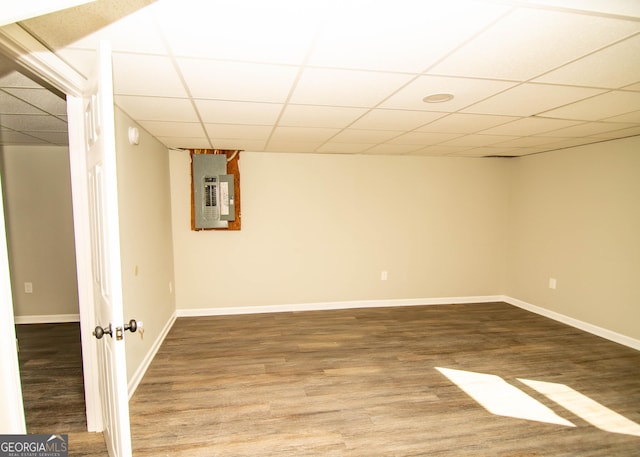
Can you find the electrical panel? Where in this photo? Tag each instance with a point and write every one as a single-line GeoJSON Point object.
{"type": "Point", "coordinates": [213, 191]}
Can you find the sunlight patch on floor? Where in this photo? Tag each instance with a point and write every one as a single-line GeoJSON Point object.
{"type": "Point", "coordinates": [590, 410]}
{"type": "Point", "coordinates": [501, 398]}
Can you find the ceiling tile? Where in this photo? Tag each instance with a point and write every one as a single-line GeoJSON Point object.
{"type": "Point", "coordinates": [391, 36]}
{"type": "Point", "coordinates": [529, 99]}
{"type": "Point", "coordinates": [319, 116]}
{"type": "Point", "coordinates": [524, 142]}
{"type": "Point", "coordinates": [58, 138]}
{"type": "Point", "coordinates": [343, 148]}
{"type": "Point", "coordinates": [157, 108]}
{"type": "Point", "coordinates": [389, 119]}
{"type": "Point", "coordinates": [15, 79]}
{"type": "Point", "coordinates": [238, 143]}
{"type": "Point", "coordinates": [439, 150]}
{"type": "Point", "coordinates": [173, 129]}
{"type": "Point", "coordinates": [11, 137]}
{"type": "Point", "coordinates": [614, 67]}
{"type": "Point", "coordinates": [488, 151]}
{"type": "Point", "coordinates": [530, 126]}
{"type": "Point", "coordinates": [635, 87]}
{"type": "Point", "coordinates": [423, 138]}
{"type": "Point", "coordinates": [364, 136]}
{"type": "Point", "coordinates": [466, 123]}
{"type": "Point", "coordinates": [614, 103]}
{"type": "Point", "coordinates": [292, 146]}
{"type": "Point", "coordinates": [529, 42]}
{"type": "Point", "coordinates": [622, 133]}
{"type": "Point", "coordinates": [250, 132]}
{"type": "Point", "coordinates": [135, 74]}
{"type": "Point", "coordinates": [135, 33]}
{"type": "Point", "coordinates": [41, 98]}
{"type": "Point", "coordinates": [302, 134]}
{"type": "Point", "coordinates": [586, 129]}
{"type": "Point", "coordinates": [477, 140]}
{"type": "Point", "coordinates": [224, 112]}
{"type": "Point", "coordinates": [323, 86]}
{"type": "Point", "coordinates": [252, 31]}
{"type": "Point", "coordinates": [392, 149]}
{"type": "Point", "coordinates": [465, 91]}
{"type": "Point", "coordinates": [12, 105]}
{"type": "Point", "coordinates": [221, 80]}
{"type": "Point", "coordinates": [199, 142]}
{"type": "Point", "coordinates": [32, 123]}
{"type": "Point", "coordinates": [633, 116]}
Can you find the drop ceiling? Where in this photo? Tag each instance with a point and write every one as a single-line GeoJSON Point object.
{"type": "Point", "coordinates": [350, 77]}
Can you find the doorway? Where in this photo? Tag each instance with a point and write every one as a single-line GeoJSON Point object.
{"type": "Point", "coordinates": [40, 237]}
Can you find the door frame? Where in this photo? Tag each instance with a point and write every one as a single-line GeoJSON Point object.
{"type": "Point", "coordinates": [47, 68]}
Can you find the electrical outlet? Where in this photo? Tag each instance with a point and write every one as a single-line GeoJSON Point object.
{"type": "Point", "coordinates": [384, 275]}
{"type": "Point", "coordinates": [553, 283]}
{"type": "Point", "coordinates": [28, 287]}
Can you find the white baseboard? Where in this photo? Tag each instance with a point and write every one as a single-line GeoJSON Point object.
{"type": "Point", "coordinates": [335, 305]}
{"type": "Point", "coordinates": [142, 368]}
{"type": "Point", "coordinates": [590, 328]}
{"type": "Point", "coordinates": [47, 319]}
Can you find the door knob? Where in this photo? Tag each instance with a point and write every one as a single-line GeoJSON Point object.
{"type": "Point", "coordinates": [99, 332]}
{"type": "Point", "coordinates": [132, 326]}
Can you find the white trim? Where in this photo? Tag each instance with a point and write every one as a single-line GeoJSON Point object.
{"type": "Point", "coordinates": [47, 319]}
{"type": "Point", "coordinates": [144, 365]}
{"type": "Point", "coordinates": [335, 305]}
{"type": "Point", "coordinates": [587, 327]}
{"type": "Point", "coordinates": [17, 44]}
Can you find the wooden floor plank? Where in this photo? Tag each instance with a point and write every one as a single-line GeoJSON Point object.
{"type": "Point", "coordinates": [364, 382]}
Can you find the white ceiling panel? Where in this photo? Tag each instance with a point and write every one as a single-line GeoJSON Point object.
{"type": "Point", "coordinates": [324, 86]}
{"type": "Point", "coordinates": [362, 136]}
{"type": "Point", "coordinates": [343, 148]}
{"type": "Point", "coordinates": [253, 31]}
{"type": "Point", "coordinates": [529, 42]}
{"type": "Point", "coordinates": [303, 134]}
{"type": "Point", "coordinates": [586, 129]}
{"type": "Point", "coordinates": [135, 74]}
{"type": "Point", "coordinates": [390, 36]}
{"type": "Point", "coordinates": [250, 132]}
{"type": "Point", "coordinates": [157, 108]}
{"type": "Point", "coordinates": [477, 140]}
{"type": "Point", "coordinates": [237, 80]}
{"type": "Point", "coordinates": [33, 123]}
{"type": "Point", "coordinates": [613, 67]}
{"type": "Point", "coordinates": [319, 116]}
{"type": "Point", "coordinates": [400, 120]}
{"type": "Point", "coordinates": [465, 92]}
{"type": "Point", "coordinates": [350, 76]}
{"type": "Point", "coordinates": [224, 112]}
{"type": "Point", "coordinates": [41, 98]}
{"type": "Point", "coordinates": [423, 138]}
{"type": "Point", "coordinates": [9, 104]}
{"type": "Point", "coordinates": [530, 99]}
{"type": "Point", "coordinates": [466, 123]}
{"type": "Point", "coordinates": [614, 103]}
{"type": "Point", "coordinates": [173, 129]}
{"type": "Point", "coordinates": [530, 126]}
{"type": "Point", "coordinates": [393, 149]}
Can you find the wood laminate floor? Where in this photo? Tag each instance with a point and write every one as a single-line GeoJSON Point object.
{"type": "Point", "coordinates": [365, 382]}
{"type": "Point", "coordinates": [371, 382]}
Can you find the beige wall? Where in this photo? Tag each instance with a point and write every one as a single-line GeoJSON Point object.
{"type": "Point", "coordinates": [40, 229]}
{"type": "Point", "coordinates": [145, 237]}
{"type": "Point", "coordinates": [575, 217]}
{"type": "Point", "coordinates": [321, 228]}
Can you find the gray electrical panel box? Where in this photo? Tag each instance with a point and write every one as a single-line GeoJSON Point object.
{"type": "Point", "coordinates": [213, 194]}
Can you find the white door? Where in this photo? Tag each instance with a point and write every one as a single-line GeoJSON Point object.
{"type": "Point", "coordinates": [105, 253]}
